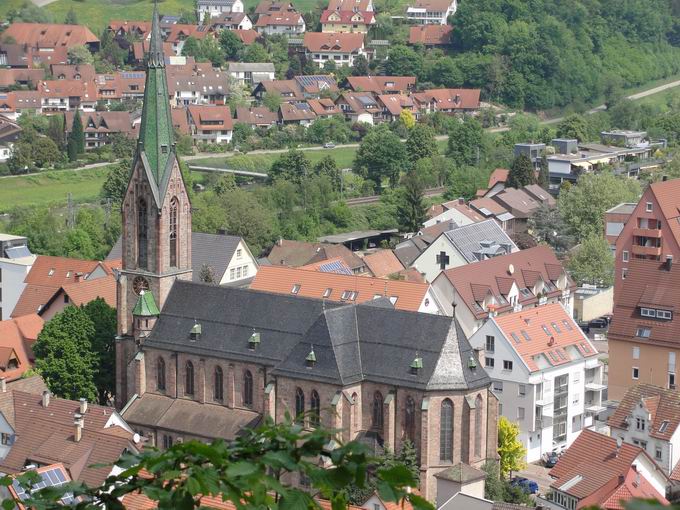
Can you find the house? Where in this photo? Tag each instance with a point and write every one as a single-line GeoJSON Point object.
{"type": "Point", "coordinates": [342, 48]}
{"type": "Point", "coordinates": [521, 205]}
{"type": "Point", "coordinates": [383, 263]}
{"type": "Point", "coordinates": [53, 283]}
{"type": "Point", "coordinates": [232, 21]}
{"type": "Point", "coordinates": [463, 245]}
{"type": "Point", "coordinates": [141, 48]}
{"type": "Point", "coordinates": [85, 72]}
{"type": "Point", "coordinates": [10, 78]}
{"type": "Point", "coordinates": [13, 104]}
{"type": "Point", "coordinates": [490, 208]}
{"type": "Point", "coordinates": [16, 261]}
{"type": "Point", "coordinates": [504, 284]}
{"type": "Point", "coordinates": [593, 302]}
{"type": "Point", "coordinates": [457, 211]}
{"type": "Point", "coordinates": [347, 21]}
{"type": "Point", "coordinates": [178, 34]}
{"type": "Point", "coordinates": [652, 230]}
{"type": "Point", "coordinates": [249, 74]}
{"type": "Point", "coordinates": [497, 181]}
{"type": "Point", "coordinates": [247, 37]}
{"type": "Point", "coordinates": [21, 56]}
{"type": "Point", "coordinates": [271, 6]}
{"type": "Point", "coordinates": [17, 337]}
{"type": "Point", "coordinates": [350, 5]}
{"type": "Point", "coordinates": [361, 239]}
{"type": "Point", "coordinates": [360, 107]}
{"type": "Point", "coordinates": [448, 100]}
{"type": "Point", "coordinates": [124, 29]}
{"type": "Point", "coordinates": [208, 88]}
{"type": "Point", "coordinates": [534, 151]}
{"type": "Point", "coordinates": [120, 86]}
{"type": "Point", "coordinates": [66, 95]}
{"type": "Point", "coordinates": [299, 113]}
{"type": "Point", "coordinates": [643, 336]}
{"type": "Point", "coordinates": [409, 250]}
{"type": "Point", "coordinates": [431, 12]}
{"type": "Point", "coordinates": [313, 85]}
{"type": "Point", "coordinates": [210, 124]}
{"type": "Point", "coordinates": [343, 288]}
{"type": "Point", "coordinates": [9, 134]}
{"type": "Point", "coordinates": [597, 471]}
{"type": "Point", "coordinates": [324, 108]}
{"type": "Point", "coordinates": [287, 23]}
{"type": "Point", "coordinates": [545, 372]}
{"type": "Point", "coordinates": [48, 36]}
{"type": "Point", "coordinates": [623, 137]}
{"type": "Point", "coordinates": [227, 259]}
{"type": "Point", "coordinates": [394, 104]}
{"type": "Point", "coordinates": [100, 127]}
{"type": "Point", "coordinates": [256, 116]}
{"type": "Point", "coordinates": [301, 253]}
{"type": "Point", "coordinates": [42, 430]}
{"type": "Point", "coordinates": [180, 121]}
{"type": "Point", "coordinates": [430, 36]}
{"type": "Point", "coordinates": [648, 417]}
{"type": "Point", "coordinates": [381, 84]}
{"type": "Point", "coordinates": [217, 8]}
{"type": "Point", "coordinates": [614, 221]}
{"type": "Point", "coordinates": [298, 88]}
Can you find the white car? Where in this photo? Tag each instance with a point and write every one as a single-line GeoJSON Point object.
{"type": "Point", "coordinates": [329, 145]}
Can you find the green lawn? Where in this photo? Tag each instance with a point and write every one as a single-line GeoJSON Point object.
{"type": "Point", "coordinates": [8, 5]}
{"type": "Point", "coordinates": [49, 188]}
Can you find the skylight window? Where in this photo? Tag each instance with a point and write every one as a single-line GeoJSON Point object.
{"type": "Point", "coordinates": [546, 330]}
{"type": "Point", "coordinates": [514, 337]}
{"type": "Point", "coordinates": [585, 347]}
{"type": "Point", "coordinates": [295, 289]}
{"type": "Point", "coordinates": [525, 292]}
{"type": "Point", "coordinates": [556, 327]}
{"type": "Point", "coordinates": [567, 325]}
{"type": "Point", "coordinates": [327, 292]}
{"type": "Point", "coordinates": [664, 426]}
{"type": "Point", "coordinates": [525, 335]}
{"type": "Point", "coordinates": [345, 294]}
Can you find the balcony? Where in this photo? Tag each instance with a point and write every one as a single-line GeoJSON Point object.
{"type": "Point", "coordinates": [592, 363]}
{"type": "Point", "coordinates": [595, 407]}
{"type": "Point", "coordinates": [647, 232]}
{"type": "Point", "coordinates": [594, 385]}
{"type": "Point", "coordinates": [543, 423]}
{"type": "Point", "coordinates": [542, 401]}
{"type": "Point", "coordinates": [646, 251]}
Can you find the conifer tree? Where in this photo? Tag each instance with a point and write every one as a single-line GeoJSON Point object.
{"type": "Point", "coordinates": [76, 138]}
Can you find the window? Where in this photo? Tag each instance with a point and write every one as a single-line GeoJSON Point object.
{"type": "Point", "coordinates": [174, 206]}
{"type": "Point", "coordinates": [636, 352]}
{"type": "Point", "coordinates": [446, 431]}
{"type": "Point", "coordinates": [5, 439]}
{"type": "Point", "coordinates": [377, 410]}
{"type": "Point", "coordinates": [647, 312]}
{"type": "Point", "coordinates": [142, 233]}
{"type": "Point", "coordinates": [410, 420]}
{"type": "Point", "coordinates": [625, 256]}
{"type": "Point", "coordinates": [315, 409]}
{"type": "Point", "coordinates": [327, 292]}
{"type": "Point", "coordinates": [247, 389]}
{"type": "Point", "coordinates": [245, 271]}
{"type": "Point", "coordinates": [232, 273]}
{"type": "Point", "coordinates": [648, 207]}
{"type": "Point", "coordinates": [658, 453]}
{"type": "Point", "coordinates": [520, 413]}
{"type": "Point", "coordinates": [624, 273]}
{"type": "Point", "coordinates": [299, 405]}
{"type": "Point", "coordinates": [345, 294]}
{"type": "Point", "coordinates": [239, 253]}
{"type": "Point", "coordinates": [664, 314]}
{"type": "Point", "coordinates": [522, 390]}
{"type": "Point", "coordinates": [577, 377]}
{"type": "Point", "coordinates": [218, 384]}
{"type": "Point", "coordinates": [295, 289]}
{"type": "Point", "coordinates": [490, 343]}
{"type": "Point", "coordinates": [556, 327]}
{"type": "Point", "coordinates": [498, 386]}
{"type": "Point", "coordinates": [507, 364]}
{"type": "Point", "coordinates": [160, 374]}
{"type": "Point", "coordinates": [489, 362]}
{"type": "Point", "coordinates": [664, 426]}
{"type": "Point", "coordinates": [189, 379]}
{"type": "Point", "coordinates": [479, 403]}
{"type": "Point", "coordinates": [167, 441]}
{"type": "Point", "coordinates": [643, 332]}
{"type": "Point", "coordinates": [671, 381]}
{"type": "Point", "coordinates": [514, 337]}
{"type": "Point", "coordinates": [636, 373]}
{"type": "Point", "coordinates": [575, 399]}
{"type": "Point", "coordinates": [66, 298]}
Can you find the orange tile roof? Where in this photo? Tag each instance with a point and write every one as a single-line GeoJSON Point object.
{"type": "Point", "coordinates": [281, 280]}
{"type": "Point", "coordinates": [247, 36]}
{"type": "Point", "coordinates": [382, 263]}
{"type": "Point", "coordinates": [50, 35]}
{"type": "Point", "coordinates": [202, 114]}
{"type": "Point", "coordinates": [449, 99]}
{"type": "Point", "coordinates": [395, 103]}
{"type": "Point", "coordinates": [332, 42]}
{"type": "Point", "coordinates": [498, 175]}
{"type": "Point", "coordinates": [553, 345]}
{"type": "Point", "coordinates": [54, 272]}
{"type": "Point", "coordinates": [83, 292]}
{"type": "Point", "coordinates": [364, 18]}
{"type": "Point", "coordinates": [337, 264]}
{"type": "Point", "coordinates": [381, 84]}
{"type": "Point", "coordinates": [430, 35]}
{"type": "Point", "coordinates": [15, 342]}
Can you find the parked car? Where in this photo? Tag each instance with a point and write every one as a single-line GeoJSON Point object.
{"type": "Point", "coordinates": [600, 323]}
{"type": "Point", "coordinates": [528, 486]}
{"type": "Point", "coordinates": [550, 459]}
{"type": "Point", "coordinates": [329, 145]}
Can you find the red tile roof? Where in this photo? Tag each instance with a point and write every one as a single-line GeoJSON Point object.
{"type": "Point", "coordinates": [143, 28]}
{"type": "Point", "coordinates": [430, 35]}
{"type": "Point", "coordinates": [85, 72]}
{"type": "Point", "coordinates": [324, 107]}
{"type": "Point", "coordinates": [347, 17]}
{"type": "Point", "coordinates": [291, 112]}
{"type": "Point", "coordinates": [247, 36]}
{"type": "Point", "coordinates": [49, 35]}
{"type": "Point", "coordinates": [85, 90]}
{"type": "Point", "coordinates": [489, 204]}
{"type": "Point", "coordinates": [381, 84]}
{"type": "Point", "coordinates": [9, 77]}
{"type": "Point", "coordinates": [180, 32]}
{"type": "Point", "coordinates": [16, 337]}
{"type": "Point", "coordinates": [449, 99]}
{"type": "Point", "coordinates": [279, 19]}
{"type": "Point", "coordinates": [349, 5]}
{"type": "Point", "coordinates": [211, 118]}
{"type": "Point", "coordinates": [498, 175]}
{"type": "Point", "coordinates": [282, 280]}
{"type": "Point", "coordinates": [383, 263]}
{"type": "Point", "coordinates": [287, 252]}
{"type": "Point", "coordinates": [256, 116]}
{"type": "Point", "coordinates": [667, 194]}
{"type": "Point", "coordinates": [663, 405]}
{"type": "Point", "coordinates": [180, 121]}
{"type": "Point", "coordinates": [395, 103]}
{"type": "Point", "coordinates": [88, 290]}
{"type": "Point", "coordinates": [333, 42]}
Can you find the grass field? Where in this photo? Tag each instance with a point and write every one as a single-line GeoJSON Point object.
{"type": "Point", "coordinates": [50, 188]}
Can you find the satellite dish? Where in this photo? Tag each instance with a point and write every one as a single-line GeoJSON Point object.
{"type": "Point", "coordinates": [511, 269]}
{"type": "Point", "coordinates": [136, 438]}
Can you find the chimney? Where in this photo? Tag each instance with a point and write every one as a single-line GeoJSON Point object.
{"type": "Point", "coordinates": [3, 384]}
{"type": "Point", "coordinates": [461, 201]}
{"type": "Point", "coordinates": [46, 398]}
{"type": "Point", "coordinates": [78, 277]}
{"type": "Point", "coordinates": [83, 405]}
{"type": "Point", "coordinates": [669, 262]}
{"type": "Point", "coordinates": [664, 178]}
{"type": "Point", "coordinates": [78, 425]}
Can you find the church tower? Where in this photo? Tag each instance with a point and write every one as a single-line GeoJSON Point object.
{"type": "Point", "coordinates": [156, 213]}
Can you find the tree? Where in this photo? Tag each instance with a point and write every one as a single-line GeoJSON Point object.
{"type": "Point", "coordinates": [493, 485]}
{"type": "Point", "coordinates": [521, 173]}
{"type": "Point", "coordinates": [593, 262]}
{"type": "Point", "coordinates": [76, 138]}
{"type": "Point", "coordinates": [403, 61]}
{"type": "Point", "coordinates": [582, 206]}
{"type": "Point", "coordinates": [272, 100]}
{"type": "Point", "coordinates": [45, 152]}
{"type": "Point", "coordinates": [207, 274]}
{"type": "Point", "coordinates": [329, 66]}
{"type": "Point", "coordinates": [78, 245]}
{"type": "Point", "coordinates": [79, 55]}
{"type": "Point", "coordinates": [381, 155]}
{"type": "Point", "coordinates": [104, 320]}
{"type": "Point", "coordinates": [465, 143]}
{"type": "Point", "coordinates": [231, 43]}
{"type": "Point", "coordinates": [122, 146]}
{"type": "Point", "coordinates": [421, 143]}
{"type": "Point", "coordinates": [293, 165]}
{"type": "Point", "coordinates": [548, 226]}
{"type": "Point", "coordinates": [407, 119]}
{"type": "Point", "coordinates": [255, 53]}
{"type": "Point", "coordinates": [543, 179]}
{"type": "Point", "coordinates": [192, 48]}
{"type": "Point", "coordinates": [510, 448]}
{"type": "Point", "coordinates": [411, 209]}
{"type": "Point", "coordinates": [116, 182]}
{"type": "Point", "coordinates": [360, 66]}
{"type": "Point", "coordinates": [328, 167]}
{"type": "Point", "coordinates": [574, 127]}
{"type": "Point", "coordinates": [55, 130]}
{"type": "Point", "coordinates": [64, 355]}
{"type": "Point", "coordinates": [71, 18]}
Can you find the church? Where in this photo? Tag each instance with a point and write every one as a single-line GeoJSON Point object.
{"type": "Point", "coordinates": [201, 361]}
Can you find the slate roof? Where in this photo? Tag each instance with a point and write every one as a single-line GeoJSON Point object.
{"type": "Point", "coordinates": [471, 239]}
{"type": "Point", "coordinates": [300, 253]}
{"type": "Point", "coordinates": [370, 341]}
{"type": "Point", "coordinates": [408, 251]}
{"type": "Point", "coordinates": [663, 404]}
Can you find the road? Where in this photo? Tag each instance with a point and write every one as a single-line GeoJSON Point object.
{"type": "Point", "coordinates": [85, 167]}
{"type": "Point", "coordinates": [354, 202]}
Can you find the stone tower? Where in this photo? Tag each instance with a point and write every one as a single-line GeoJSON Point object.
{"type": "Point", "coordinates": [156, 218]}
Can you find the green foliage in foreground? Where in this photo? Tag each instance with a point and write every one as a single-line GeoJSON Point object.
{"type": "Point", "coordinates": [251, 472]}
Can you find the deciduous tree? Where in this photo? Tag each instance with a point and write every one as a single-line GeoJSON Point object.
{"type": "Point", "coordinates": [421, 142]}
{"type": "Point", "coordinates": [104, 320]}
{"type": "Point", "coordinates": [381, 155]}
{"type": "Point", "coordinates": [510, 448]}
{"type": "Point", "coordinates": [231, 43]}
{"type": "Point", "coordinates": [466, 140]}
{"type": "Point", "coordinates": [293, 165]}
{"type": "Point", "coordinates": [593, 262]}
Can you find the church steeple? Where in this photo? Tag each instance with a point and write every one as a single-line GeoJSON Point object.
{"type": "Point", "coordinates": [156, 144]}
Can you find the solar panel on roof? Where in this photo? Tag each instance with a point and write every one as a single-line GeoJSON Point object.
{"type": "Point", "coordinates": [303, 106]}
{"type": "Point", "coordinates": [48, 478]}
{"type": "Point", "coordinates": [16, 252]}
{"type": "Point", "coordinates": [366, 101]}
{"type": "Point", "coordinates": [132, 75]}
{"type": "Point", "coordinates": [334, 267]}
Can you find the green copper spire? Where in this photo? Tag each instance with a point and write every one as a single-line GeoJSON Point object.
{"type": "Point", "coordinates": [146, 305]}
{"type": "Point", "coordinates": [155, 132]}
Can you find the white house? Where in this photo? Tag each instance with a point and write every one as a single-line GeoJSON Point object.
{"type": "Point", "coordinates": [464, 245]}
{"type": "Point", "coordinates": [16, 261]}
{"type": "Point", "coordinates": [215, 8]}
{"type": "Point", "coordinates": [250, 73]}
{"type": "Point", "coordinates": [457, 211]}
{"type": "Point", "coordinates": [210, 123]}
{"type": "Point", "coordinates": [648, 417]}
{"type": "Point", "coordinates": [287, 23]}
{"type": "Point", "coordinates": [546, 374]}
{"type": "Point", "coordinates": [431, 12]}
{"type": "Point", "coordinates": [342, 48]}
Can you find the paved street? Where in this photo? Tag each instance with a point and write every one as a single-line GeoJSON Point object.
{"type": "Point", "coordinates": [538, 474]}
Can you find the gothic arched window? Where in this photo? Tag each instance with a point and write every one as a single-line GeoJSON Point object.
{"type": "Point", "coordinates": [410, 420]}
{"type": "Point", "coordinates": [299, 405]}
{"type": "Point", "coordinates": [174, 239]}
{"type": "Point", "coordinates": [160, 374]}
{"type": "Point", "coordinates": [446, 431]}
{"type": "Point", "coordinates": [377, 410]}
{"type": "Point", "coordinates": [315, 409]}
{"type": "Point", "coordinates": [142, 233]}
{"type": "Point", "coordinates": [218, 384]}
{"type": "Point", "coordinates": [247, 389]}
{"type": "Point", "coordinates": [189, 379]}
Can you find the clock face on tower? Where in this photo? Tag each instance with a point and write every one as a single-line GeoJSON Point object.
{"type": "Point", "coordinates": [140, 284]}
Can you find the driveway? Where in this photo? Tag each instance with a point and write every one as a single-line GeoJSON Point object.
{"type": "Point", "coordinates": [538, 474]}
